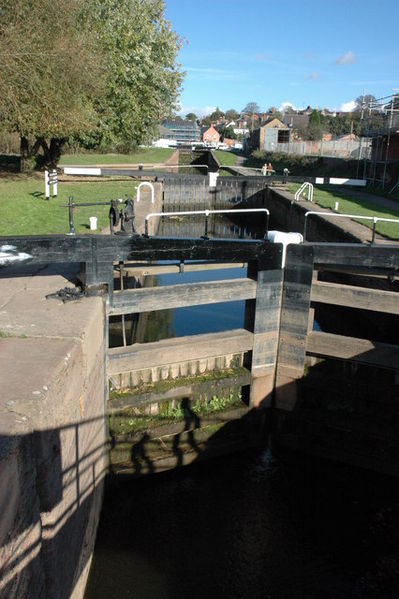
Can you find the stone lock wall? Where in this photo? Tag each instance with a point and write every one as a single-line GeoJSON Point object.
{"type": "Point", "coordinates": [52, 437]}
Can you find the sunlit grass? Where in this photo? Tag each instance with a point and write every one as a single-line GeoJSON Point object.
{"type": "Point", "coordinates": [142, 156]}
{"type": "Point", "coordinates": [354, 202]}
{"type": "Point", "coordinates": [25, 211]}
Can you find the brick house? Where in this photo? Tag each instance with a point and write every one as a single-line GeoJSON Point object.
{"type": "Point", "coordinates": [211, 136]}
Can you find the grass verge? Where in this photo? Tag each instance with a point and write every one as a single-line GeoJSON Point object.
{"type": "Point", "coordinates": [143, 156]}
{"type": "Point", "coordinates": [355, 202]}
{"type": "Point", "coordinates": [25, 211]}
{"type": "Point", "coordinates": [225, 158]}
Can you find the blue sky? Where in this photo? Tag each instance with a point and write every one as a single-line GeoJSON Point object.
{"type": "Point", "coordinates": [323, 53]}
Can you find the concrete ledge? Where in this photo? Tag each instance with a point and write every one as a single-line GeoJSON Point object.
{"type": "Point", "coordinates": [52, 436]}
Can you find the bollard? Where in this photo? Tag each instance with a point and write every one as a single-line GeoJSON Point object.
{"type": "Point", "coordinates": [71, 225]}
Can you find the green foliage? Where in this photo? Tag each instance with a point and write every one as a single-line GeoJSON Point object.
{"type": "Point", "coordinates": [231, 114]}
{"type": "Point", "coordinates": [228, 132]}
{"type": "Point", "coordinates": [297, 165]}
{"type": "Point", "coordinates": [216, 114]}
{"type": "Point", "coordinates": [103, 72]}
{"type": "Point", "coordinates": [50, 69]}
{"type": "Point", "coordinates": [314, 129]}
{"type": "Point", "coordinates": [143, 77]}
{"type": "Point", "coordinates": [342, 124]}
{"type": "Point", "coordinates": [130, 421]}
{"type": "Point", "coordinates": [191, 116]}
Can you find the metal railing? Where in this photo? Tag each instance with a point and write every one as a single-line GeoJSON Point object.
{"type": "Point", "coordinates": [373, 219]}
{"type": "Point", "coordinates": [206, 213]}
{"type": "Point", "coordinates": [146, 184]}
{"type": "Point", "coordinates": [305, 186]}
{"type": "Point", "coordinates": [183, 166]}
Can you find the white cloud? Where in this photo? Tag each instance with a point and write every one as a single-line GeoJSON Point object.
{"type": "Point", "coordinates": [348, 106]}
{"type": "Point", "coordinates": [313, 76]}
{"type": "Point", "coordinates": [347, 58]}
{"type": "Point", "coordinates": [285, 105]}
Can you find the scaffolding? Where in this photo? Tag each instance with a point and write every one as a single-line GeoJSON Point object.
{"type": "Point", "coordinates": [379, 163]}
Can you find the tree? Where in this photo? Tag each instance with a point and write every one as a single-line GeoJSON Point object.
{"type": "Point", "coordinates": [228, 132]}
{"type": "Point", "coordinates": [251, 108]}
{"type": "Point", "coordinates": [364, 101]}
{"type": "Point", "coordinates": [206, 121]}
{"type": "Point", "coordinates": [216, 114]}
{"type": "Point", "coordinates": [191, 116]}
{"type": "Point", "coordinates": [143, 76]}
{"type": "Point", "coordinates": [105, 72]}
{"type": "Point", "coordinates": [315, 130]}
{"type": "Point", "coordinates": [231, 114]}
{"type": "Point", "coordinates": [46, 81]}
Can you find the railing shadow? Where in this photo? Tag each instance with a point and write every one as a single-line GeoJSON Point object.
{"type": "Point", "coordinates": [51, 485]}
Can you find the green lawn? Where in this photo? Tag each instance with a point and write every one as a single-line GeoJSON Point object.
{"type": "Point", "coordinates": [142, 156]}
{"type": "Point", "coordinates": [25, 211]}
{"type": "Point", "coordinates": [226, 158]}
{"type": "Point", "coordinates": [354, 202]}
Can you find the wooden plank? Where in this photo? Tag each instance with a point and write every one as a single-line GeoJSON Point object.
{"type": "Point", "coordinates": [295, 305]}
{"type": "Point", "coordinates": [266, 328]}
{"type": "Point", "coordinates": [357, 255]}
{"type": "Point", "coordinates": [170, 351]}
{"type": "Point", "coordinates": [363, 351]}
{"type": "Point", "coordinates": [183, 390]}
{"type": "Point", "coordinates": [147, 299]}
{"type": "Point", "coordinates": [140, 270]}
{"type": "Point", "coordinates": [355, 297]}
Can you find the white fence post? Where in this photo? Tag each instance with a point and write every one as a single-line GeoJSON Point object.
{"type": "Point", "coordinates": [46, 185]}
{"type": "Point", "coordinates": [50, 180]}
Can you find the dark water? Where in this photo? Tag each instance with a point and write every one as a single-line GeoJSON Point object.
{"type": "Point", "coordinates": [250, 526]}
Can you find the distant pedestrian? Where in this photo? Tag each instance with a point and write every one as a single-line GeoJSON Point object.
{"type": "Point", "coordinates": [264, 170]}
{"type": "Point", "coordinates": [286, 172]}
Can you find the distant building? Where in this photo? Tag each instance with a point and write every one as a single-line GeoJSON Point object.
{"type": "Point", "coordinates": [269, 136]}
{"type": "Point", "coordinates": [180, 130]}
{"type": "Point", "coordinates": [296, 121]}
{"type": "Point", "coordinates": [211, 136]}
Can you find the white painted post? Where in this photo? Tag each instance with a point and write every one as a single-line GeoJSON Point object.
{"type": "Point", "coordinates": [55, 185]}
{"type": "Point", "coordinates": [213, 177]}
{"type": "Point", "coordinates": [46, 185]}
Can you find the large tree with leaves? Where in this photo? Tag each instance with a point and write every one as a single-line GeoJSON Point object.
{"type": "Point", "coordinates": [103, 70]}
{"type": "Point", "coordinates": [49, 73]}
{"type": "Point", "coordinates": [142, 73]}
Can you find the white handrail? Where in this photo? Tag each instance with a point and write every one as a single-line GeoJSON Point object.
{"type": "Point", "coordinates": [374, 219]}
{"type": "Point", "coordinates": [302, 189]}
{"type": "Point", "coordinates": [148, 185]}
